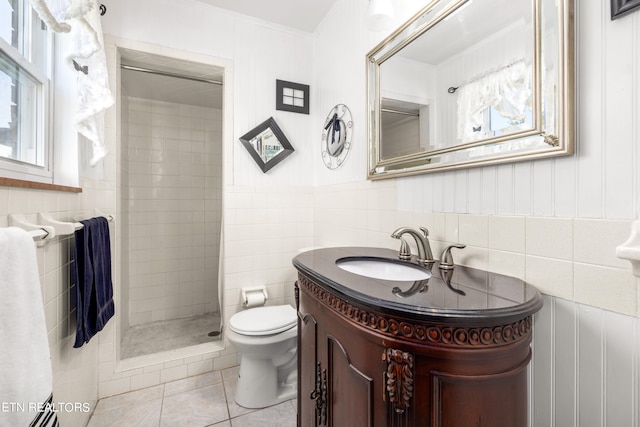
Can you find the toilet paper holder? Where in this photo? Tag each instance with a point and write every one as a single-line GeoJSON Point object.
{"type": "Point", "coordinates": [247, 292]}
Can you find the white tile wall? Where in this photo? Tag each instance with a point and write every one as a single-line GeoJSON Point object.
{"type": "Point", "coordinates": [564, 257]}
{"type": "Point", "coordinates": [75, 379]}
{"type": "Point", "coordinates": [264, 229]}
{"type": "Point", "coordinates": [172, 158]}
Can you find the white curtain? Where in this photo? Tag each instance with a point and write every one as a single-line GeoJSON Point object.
{"type": "Point", "coordinates": [508, 90]}
{"type": "Point", "coordinates": [6, 82]}
{"type": "Point", "coordinates": [5, 97]}
{"type": "Point", "coordinates": [81, 19]}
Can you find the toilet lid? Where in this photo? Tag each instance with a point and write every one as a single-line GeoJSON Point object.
{"type": "Point", "coordinates": [264, 320]}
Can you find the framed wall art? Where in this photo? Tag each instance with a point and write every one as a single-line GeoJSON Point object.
{"type": "Point", "coordinates": [292, 97]}
{"type": "Point", "coordinates": [267, 144]}
{"type": "Point", "coordinates": [620, 8]}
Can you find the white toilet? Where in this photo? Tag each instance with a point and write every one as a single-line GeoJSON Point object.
{"type": "Point", "coordinates": [266, 339]}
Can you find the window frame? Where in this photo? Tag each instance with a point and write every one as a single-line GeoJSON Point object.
{"type": "Point", "coordinates": [17, 169]}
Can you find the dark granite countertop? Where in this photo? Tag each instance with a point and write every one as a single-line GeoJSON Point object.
{"type": "Point", "coordinates": [489, 298]}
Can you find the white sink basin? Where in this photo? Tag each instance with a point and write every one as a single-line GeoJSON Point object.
{"type": "Point", "coordinates": [383, 268]}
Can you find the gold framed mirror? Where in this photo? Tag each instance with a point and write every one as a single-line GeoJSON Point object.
{"type": "Point", "coordinates": [472, 82]}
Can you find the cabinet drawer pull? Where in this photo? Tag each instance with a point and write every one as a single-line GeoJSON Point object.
{"type": "Point", "coordinates": [320, 396]}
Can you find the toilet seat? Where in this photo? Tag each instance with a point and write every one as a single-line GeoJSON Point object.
{"type": "Point", "coordinates": [264, 320]}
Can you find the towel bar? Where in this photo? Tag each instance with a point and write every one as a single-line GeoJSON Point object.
{"type": "Point", "coordinates": [40, 233]}
{"type": "Point", "coordinates": [62, 228]}
{"type": "Point", "coordinates": [48, 227]}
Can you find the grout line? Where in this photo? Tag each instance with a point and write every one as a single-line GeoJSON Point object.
{"type": "Point", "coordinates": [226, 386]}
{"type": "Point", "coordinates": [226, 396]}
{"type": "Point", "coordinates": [164, 389]}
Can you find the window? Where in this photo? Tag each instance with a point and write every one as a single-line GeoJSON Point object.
{"type": "Point", "coordinates": [497, 103]}
{"type": "Point", "coordinates": [25, 64]}
{"type": "Point", "coordinates": [500, 124]}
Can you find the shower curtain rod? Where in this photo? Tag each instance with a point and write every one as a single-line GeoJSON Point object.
{"type": "Point", "coordinates": [405, 113]}
{"type": "Point", "coordinates": [167, 74]}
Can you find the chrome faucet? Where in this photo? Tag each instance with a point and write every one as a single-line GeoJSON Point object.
{"type": "Point", "coordinates": [425, 256]}
{"type": "Point", "coordinates": [446, 259]}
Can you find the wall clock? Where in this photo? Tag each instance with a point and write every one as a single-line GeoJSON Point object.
{"type": "Point", "coordinates": [336, 136]}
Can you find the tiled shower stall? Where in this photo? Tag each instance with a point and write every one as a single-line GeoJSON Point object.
{"type": "Point", "coordinates": [171, 195]}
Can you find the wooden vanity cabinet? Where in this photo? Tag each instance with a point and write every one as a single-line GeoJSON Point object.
{"type": "Point", "coordinates": [361, 366]}
{"type": "Point", "coordinates": [337, 363]}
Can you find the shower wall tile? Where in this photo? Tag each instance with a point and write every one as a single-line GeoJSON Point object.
{"type": "Point", "coordinates": [174, 209]}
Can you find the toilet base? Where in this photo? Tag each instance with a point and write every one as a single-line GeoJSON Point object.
{"type": "Point", "coordinates": [261, 385]}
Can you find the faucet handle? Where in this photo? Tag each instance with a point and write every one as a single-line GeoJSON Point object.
{"type": "Point", "coordinates": [405, 250]}
{"type": "Point", "coordinates": [446, 259]}
{"type": "Point", "coordinates": [428, 255]}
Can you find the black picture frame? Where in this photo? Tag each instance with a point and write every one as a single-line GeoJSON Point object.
{"type": "Point", "coordinates": [621, 8]}
{"type": "Point", "coordinates": [259, 131]}
{"type": "Point", "coordinates": [285, 99]}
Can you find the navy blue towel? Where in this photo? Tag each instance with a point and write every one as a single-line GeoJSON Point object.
{"type": "Point", "coordinates": [94, 289]}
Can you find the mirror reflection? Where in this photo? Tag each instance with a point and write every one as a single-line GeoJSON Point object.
{"type": "Point", "coordinates": [406, 126]}
{"type": "Point", "coordinates": [267, 144]}
{"type": "Point", "coordinates": [465, 82]}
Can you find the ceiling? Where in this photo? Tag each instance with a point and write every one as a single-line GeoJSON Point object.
{"type": "Point", "coordinates": [303, 15]}
{"type": "Point", "coordinates": [465, 27]}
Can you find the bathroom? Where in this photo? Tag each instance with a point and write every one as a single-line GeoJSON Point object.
{"type": "Point", "coordinates": [553, 222]}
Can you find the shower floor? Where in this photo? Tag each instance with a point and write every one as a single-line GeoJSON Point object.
{"type": "Point", "coordinates": [165, 335]}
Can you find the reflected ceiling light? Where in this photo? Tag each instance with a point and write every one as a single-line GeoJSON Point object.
{"type": "Point", "coordinates": [380, 15]}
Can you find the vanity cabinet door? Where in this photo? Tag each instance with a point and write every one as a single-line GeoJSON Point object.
{"type": "Point", "coordinates": [350, 384]}
{"type": "Point", "coordinates": [492, 400]}
{"type": "Point", "coordinates": [307, 365]}
{"type": "Point", "coordinates": [335, 371]}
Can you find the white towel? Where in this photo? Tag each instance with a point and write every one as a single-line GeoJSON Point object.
{"type": "Point", "coordinates": [25, 362]}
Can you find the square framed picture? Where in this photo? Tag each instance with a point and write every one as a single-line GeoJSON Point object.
{"type": "Point", "coordinates": [292, 97]}
{"type": "Point", "coordinates": [620, 8]}
{"type": "Point", "coordinates": [267, 144]}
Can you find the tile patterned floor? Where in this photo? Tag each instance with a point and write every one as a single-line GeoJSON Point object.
{"type": "Point", "coordinates": [165, 335]}
{"type": "Point", "coordinates": [203, 400]}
